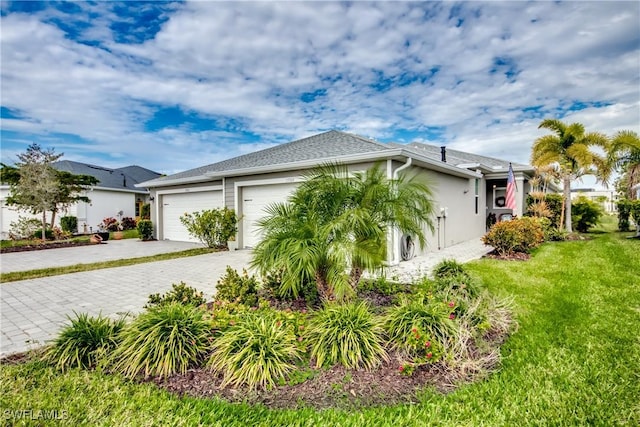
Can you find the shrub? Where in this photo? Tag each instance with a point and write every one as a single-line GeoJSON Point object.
{"type": "Point", "coordinates": [109, 224]}
{"type": "Point", "coordinates": [348, 334]}
{"type": "Point", "coordinates": [635, 212]}
{"type": "Point", "coordinates": [145, 211]}
{"type": "Point", "coordinates": [212, 227]}
{"type": "Point", "coordinates": [380, 285]}
{"type": "Point", "coordinates": [585, 214]}
{"type": "Point", "coordinates": [553, 204]}
{"type": "Point", "coordinates": [69, 224]}
{"type": "Point", "coordinates": [162, 341]}
{"type": "Point", "coordinates": [624, 211]}
{"type": "Point", "coordinates": [85, 342]}
{"type": "Point", "coordinates": [128, 223]}
{"type": "Point", "coordinates": [420, 325]}
{"type": "Point", "coordinates": [448, 268]}
{"type": "Point", "coordinates": [257, 351]}
{"type": "Point", "coordinates": [25, 228]}
{"type": "Point", "coordinates": [234, 287]}
{"type": "Point", "coordinates": [273, 287]}
{"type": "Point", "coordinates": [180, 293]}
{"type": "Point", "coordinates": [145, 229]}
{"type": "Point", "coordinates": [48, 233]}
{"type": "Point", "coordinates": [551, 232]}
{"type": "Point", "coordinates": [518, 235]}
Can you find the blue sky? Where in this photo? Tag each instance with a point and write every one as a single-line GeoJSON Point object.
{"type": "Point", "coordinates": [173, 86]}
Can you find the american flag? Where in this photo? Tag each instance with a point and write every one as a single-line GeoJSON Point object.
{"type": "Point", "coordinates": [511, 190]}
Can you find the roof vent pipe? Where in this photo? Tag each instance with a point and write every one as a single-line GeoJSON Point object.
{"type": "Point", "coordinates": [443, 154]}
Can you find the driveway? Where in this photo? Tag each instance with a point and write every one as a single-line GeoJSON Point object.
{"type": "Point", "coordinates": [34, 310]}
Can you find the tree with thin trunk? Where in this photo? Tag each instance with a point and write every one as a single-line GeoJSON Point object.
{"type": "Point", "coordinates": [37, 187]}
{"type": "Point", "coordinates": [335, 225]}
{"type": "Point", "coordinates": [571, 151]}
{"type": "Point", "coordinates": [624, 156]}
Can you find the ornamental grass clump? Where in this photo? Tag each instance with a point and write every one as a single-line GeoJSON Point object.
{"type": "Point", "coordinates": [420, 320]}
{"type": "Point", "coordinates": [162, 341]}
{"type": "Point", "coordinates": [348, 334]}
{"type": "Point", "coordinates": [85, 343]}
{"type": "Point", "coordinates": [258, 350]}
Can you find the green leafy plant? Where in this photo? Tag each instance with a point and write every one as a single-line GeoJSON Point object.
{"type": "Point", "coordinates": [213, 227]}
{"type": "Point", "coordinates": [162, 341]}
{"type": "Point", "coordinates": [24, 228]}
{"type": "Point", "coordinates": [85, 342]}
{"type": "Point", "coordinates": [145, 211]}
{"type": "Point", "coordinates": [145, 229]}
{"type": "Point", "coordinates": [418, 320]}
{"type": "Point", "coordinates": [235, 287]}
{"type": "Point", "coordinates": [180, 293]}
{"type": "Point", "coordinates": [624, 211]}
{"type": "Point", "coordinates": [380, 285]}
{"type": "Point", "coordinates": [258, 351]}
{"type": "Point", "coordinates": [449, 268]}
{"type": "Point", "coordinates": [551, 233]}
{"type": "Point", "coordinates": [48, 233]}
{"type": "Point", "coordinates": [585, 213]}
{"type": "Point", "coordinates": [69, 224]}
{"type": "Point", "coordinates": [348, 334]}
{"type": "Point", "coordinates": [518, 235]}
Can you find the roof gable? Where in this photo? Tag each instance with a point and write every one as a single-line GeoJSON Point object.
{"type": "Point", "coordinates": [118, 179]}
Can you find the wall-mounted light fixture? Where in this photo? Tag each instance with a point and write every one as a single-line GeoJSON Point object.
{"type": "Point", "coordinates": [151, 199]}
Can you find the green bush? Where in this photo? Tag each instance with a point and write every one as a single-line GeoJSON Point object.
{"type": "Point", "coordinates": [272, 287]}
{"type": "Point", "coordinates": [162, 341]}
{"type": "Point", "coordinates": [420, 320]}
{"type": "Point", "coordinates": [235, 287]}
{"type": "Point", "coordinates": [48, 233]}
{"type": "Point", "coordinates": [258, 350]}
{"type": "Point", "coordinates": [448, 268]}
{"type": "Point", "coordinates": [553, 203]}
{"type": "Point", "coordinates": [145, 211]}
{"type": "Point", "coordinates": [180, 293]}
{"type": "Point", "coordinates": [69, 224]}
{"type": "Point", "coordinates": [624, 211]}
{"type": "Point", "coordinates": [635, 212]}
{"type": "Point", "coordinates": [212, 227]}
{"type": "Point", "coordinates": [551, 232]}
{"type": "Point", "coordinates": [518, 235]}
{"type": "Point", "coordinates": [380, 285]}
{"type": "Point", "coordinates": [85, 342]}
{"type": "Point", "coordinates": [145, 229]}
{"type": "Point", "coordinates": [348, 334]}
{"type": "Point", "coordinates": [585, 214]}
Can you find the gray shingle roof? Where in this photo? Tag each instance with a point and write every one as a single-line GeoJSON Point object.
{"type": "Point", "coordinates": [457, 157]}
{"type": "Point", "coordinates": [318, 147]}
{"type": "Point", "coordinates": [118, 179]}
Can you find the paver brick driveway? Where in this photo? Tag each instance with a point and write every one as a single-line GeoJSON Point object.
{"type": "Point", "coordinates": [34, 310]}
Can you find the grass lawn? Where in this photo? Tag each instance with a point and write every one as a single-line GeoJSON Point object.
{"type": "Point", "coordinates": [574, 360]}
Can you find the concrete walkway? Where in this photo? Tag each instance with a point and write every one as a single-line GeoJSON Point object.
{"type": "Point", "coordinates": [32, 311]}
{"type": "Point", "coordinates": [107, 251]}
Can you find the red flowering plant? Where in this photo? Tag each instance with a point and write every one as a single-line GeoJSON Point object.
{"type": "Point", "coordinates": [424, 348]}
{"type": "Point", "coordinates": [297, 321]}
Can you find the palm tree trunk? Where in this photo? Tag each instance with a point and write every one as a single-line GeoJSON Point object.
{"type": "Point", "coordinates": [323, 287]}
{"type": "Point", "coordinates": [355, 276]}
{"type": "Point", "coordinates": [567, 204]}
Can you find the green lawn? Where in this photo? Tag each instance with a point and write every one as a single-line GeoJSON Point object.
{"type": "Point", "coordinates": [574, 360]}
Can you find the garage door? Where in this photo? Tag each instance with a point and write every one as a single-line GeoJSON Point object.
{"type": "Point", "coordinates": [254, 200]}
{"type": "Point", "coordinates": [176, 205]}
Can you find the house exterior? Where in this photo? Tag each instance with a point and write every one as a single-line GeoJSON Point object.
{"type": "Point", "coordinates": [115, 195]}
{"type": "Point", "coordinates": [464, 185]}
{"type": "Point", "coordinates": [607, 199]}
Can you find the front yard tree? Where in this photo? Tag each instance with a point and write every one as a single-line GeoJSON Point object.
{"type": "Point", "coordinates": [624, 155]}
{"type": "Point", "coordinates": [570, 150]}
{"type": "Point", "coordinates": [337, 221]}
{"type": "Point", "coordinates": [37, 187]}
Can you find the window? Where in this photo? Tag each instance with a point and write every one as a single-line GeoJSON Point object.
{"type": "Point", "coordinates": [499, 197]}
{"type": "Point", "coordinates": [477, 195]}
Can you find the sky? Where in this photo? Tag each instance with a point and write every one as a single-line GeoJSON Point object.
{"type": "Point", "coordinates": [172, 86]}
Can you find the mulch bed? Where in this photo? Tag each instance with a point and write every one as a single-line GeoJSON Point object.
{"type": "Point", "coordinates": [518, 256]}
{"type": "Point", "coordinates": [39, 247]}
{"type": "Point", "coordinates": [337, 387]}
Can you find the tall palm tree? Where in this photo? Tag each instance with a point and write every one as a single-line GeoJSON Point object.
{"type": "Point", "coordinates": [336, 222]}
{"type": "Point", "coordinates": [570, 149]}
{"type": "Point", "coordinates": [624, 155]}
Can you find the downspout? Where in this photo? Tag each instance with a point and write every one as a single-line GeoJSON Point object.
{"type": "Point", "coordinates": [396, 232]}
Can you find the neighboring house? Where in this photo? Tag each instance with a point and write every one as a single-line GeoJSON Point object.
{"type": "Point", "coordinates": [608, 199]}
{"type": "Point", "coordinates": [465, 185]}
{"type": "Point", "coordinates": [115, 195]}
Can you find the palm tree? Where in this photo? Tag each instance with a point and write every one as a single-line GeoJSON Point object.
{"type": "Point", "coordinates": [336, 222]}
{"type": "Point", "coordinates": [569, 148]}
{"type": "Point", "coordinates": [624, 155]}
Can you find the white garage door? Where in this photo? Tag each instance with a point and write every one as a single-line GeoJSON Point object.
{"type": "Point", "coordinates": [176, 205]}
{"type": "Point", "coordinates": [254, 200]}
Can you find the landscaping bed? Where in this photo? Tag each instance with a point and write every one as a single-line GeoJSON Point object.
{"type": "Point", "coordinates": [47, 245]}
